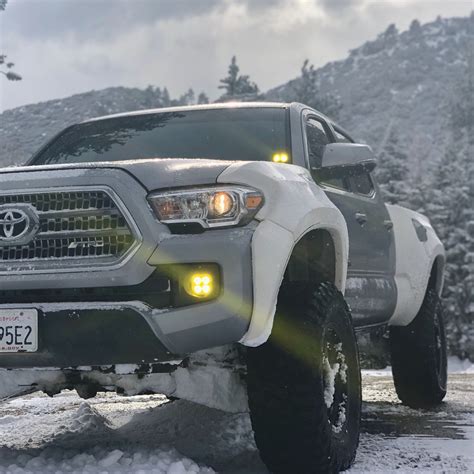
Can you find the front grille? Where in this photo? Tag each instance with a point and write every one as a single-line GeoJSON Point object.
{"type": "Point", "coordinates": [74, 226]}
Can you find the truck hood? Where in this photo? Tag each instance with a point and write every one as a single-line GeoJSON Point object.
{"type": "Point", "coordinates": [151, 173]}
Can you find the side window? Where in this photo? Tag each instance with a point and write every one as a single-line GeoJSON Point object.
{"type": "Point", "coordinates": [341, 137]}
{"type": "Point", "coordinates": [317, 139]}
{"type": "Point", "coordinates": [362, 184]}
{"type": "Point", "coordinates": [340, 183]}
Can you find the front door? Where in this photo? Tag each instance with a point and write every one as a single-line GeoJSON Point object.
{"type": "Point", "coordinates": [370, 288]}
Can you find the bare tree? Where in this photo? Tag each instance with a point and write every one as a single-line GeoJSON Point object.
{"type": "Point", "coordinates": [6, 66]}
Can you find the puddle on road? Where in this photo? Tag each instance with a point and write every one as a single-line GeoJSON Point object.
{"type": "Point", "coordinates": [453, 419]}
{"type": "Point", "coordinates": [418, 425]}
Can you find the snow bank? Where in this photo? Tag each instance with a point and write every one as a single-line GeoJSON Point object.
{"type": "Point", "coordinates": [99, 460]}
{"type": "Point", "coordinates": [65, 434]}
{"type": "Point", "coordinates": [458, 366]}
{"type": "Point", "coordinates": [412, 455]}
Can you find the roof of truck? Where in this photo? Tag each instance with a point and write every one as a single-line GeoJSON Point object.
{"type": "Point", "coordinates": [223, 105]}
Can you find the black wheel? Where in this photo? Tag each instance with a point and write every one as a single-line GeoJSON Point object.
{"type": "Point", "coordinates": [304, 384]}
{"type": "Point", "coordinates": [419, 361]}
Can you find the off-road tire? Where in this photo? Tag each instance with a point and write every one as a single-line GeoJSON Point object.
{"type": "Point", "coordinates": [418, 353]}
{"type": "Point", "coordinates": [295, 431]}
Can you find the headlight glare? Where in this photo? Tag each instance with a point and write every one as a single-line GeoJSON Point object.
{"type": "Point", "coordinates": [211, 207]}
{"type": "Point", "coordinates": [222, 203]}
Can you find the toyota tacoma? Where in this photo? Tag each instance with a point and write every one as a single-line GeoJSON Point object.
{"type": "Point", "coordinates": [225, 254]}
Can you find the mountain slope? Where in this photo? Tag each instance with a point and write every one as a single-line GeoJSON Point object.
{"type": "Point", "coordinates": [399, 80]}
{"type": "Point", "coordinates": [403, 81]}
{"type": "Point", "coordinates": [24, 129]}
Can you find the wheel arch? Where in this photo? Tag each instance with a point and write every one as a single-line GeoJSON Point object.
{"type": "Point", "coordinates": [313, 259]}
{"type": "Point", "coordinates": [420, 259]}
{"type": "Point", "coordinates": [294, 208]}
{"type": "Point", "coordinates": [436, 279]}
{"type": "Point", "coordinates": [318, 254]}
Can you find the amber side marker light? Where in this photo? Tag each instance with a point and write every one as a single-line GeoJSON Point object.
{"type": "Point", "coordinates": [200, 285]}
{"type": "Point", "coordinates": [280, 158]}
{"type": "Point", "coordinates": [253, 201]}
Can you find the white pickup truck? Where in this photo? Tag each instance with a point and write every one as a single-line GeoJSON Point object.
{"type": "Point", "coordinates": [225, 254]}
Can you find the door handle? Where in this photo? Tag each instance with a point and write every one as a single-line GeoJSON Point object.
{"type": "Point", "coordinates": [388, 224]}
{"type": "Point", "coordinates": [361, 218]}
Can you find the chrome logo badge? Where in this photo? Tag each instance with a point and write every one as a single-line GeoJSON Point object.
{"type": "Point", "coordinates": [18, 225]}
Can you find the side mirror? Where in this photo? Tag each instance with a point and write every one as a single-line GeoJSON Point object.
{"type": "Point", "coordinates": [346, 157]}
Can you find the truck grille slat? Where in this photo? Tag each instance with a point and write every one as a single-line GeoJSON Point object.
{"type": "Point", "coordinates": [87, 227]}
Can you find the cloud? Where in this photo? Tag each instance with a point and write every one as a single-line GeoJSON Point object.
{"type": "Point", "coordinates": [86, 19]}
{"type": "Point", "coordinates": [339, 6]}
{"type": "Point", "coordinates": [63, 47]}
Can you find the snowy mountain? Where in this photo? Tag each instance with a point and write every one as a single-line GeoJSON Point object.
{"type": "Point", "coordinates": [399, 80]}
{"type": "Point", "coordinates": [24, 129]}
{"type": "Point", "coordinates": [403, 81]}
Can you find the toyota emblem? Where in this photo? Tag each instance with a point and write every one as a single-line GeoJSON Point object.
{"type": "Point", "coordinates": [18, 225]}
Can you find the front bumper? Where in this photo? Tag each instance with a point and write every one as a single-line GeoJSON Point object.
{"type": "Point", "coordinates": [101, 316]}
{"type": "Point", "coordinates": [140, 324]}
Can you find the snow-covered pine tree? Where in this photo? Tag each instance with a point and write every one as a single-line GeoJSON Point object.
{"type": "Point", "coordinates": [203, 98]}
{"type": "Point", "coordinates": [237, 87]}
{"type": "Point", "coordinates": [450, 207]}
{"type": "Point", "coordinates": [392, 172]}
{"type": "Point", "coordinates": [306, 90]}
{"type": "Point", "coordinates": [188, 98]}
{"type": "Point", "coordinates": [415, 29]}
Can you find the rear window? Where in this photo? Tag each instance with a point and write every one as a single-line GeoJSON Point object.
{"type": "Point", "coordinates": [242, 134]}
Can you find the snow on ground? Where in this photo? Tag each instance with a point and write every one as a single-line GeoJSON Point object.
{"type": "Point", "coordinates": [148, 433]}
{"type": "Point", "coordinates": [458, 366]}
{"type": "Point", "coordinates": [455, 366]}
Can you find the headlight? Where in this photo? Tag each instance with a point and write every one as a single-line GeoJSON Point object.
{"type": "Point", "coordinates": [211, 207]}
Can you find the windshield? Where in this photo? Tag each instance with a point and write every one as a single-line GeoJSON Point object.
{"type": "Point", "coordinates": [242, 134]}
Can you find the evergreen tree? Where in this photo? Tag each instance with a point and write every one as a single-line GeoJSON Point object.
{"type": "Point", "coordinates": [306, 91]}
{"type": "Point", "coordinates": [391, 30]}
{"type": "Point", "coordinates": [450, 208]}
{"type": "Point", "coordinates": [6, 66]}
{"type": "Point", "coordinates": [393, 172]}
{"type": "Point", "coordinates": [415, 29]}
{"type": "Point", "coordinates": [155, 97]}
{"type": "Point", "coordinates": [203, 98]}
{"type": "Point", "coordinates": [237, 87]}
{"type": "Point", "coordinates": [188, 98]}
{"type": "Point", "coordinates": [462, 108]}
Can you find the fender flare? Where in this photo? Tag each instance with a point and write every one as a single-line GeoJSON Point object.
{"type": "Point", "coordinates": [294, 205]}
{"type": "Point", "coordinates": [414, 238]}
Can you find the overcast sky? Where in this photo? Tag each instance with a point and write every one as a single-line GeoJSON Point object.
{"type": "Point", "coordinates": [62, 47]}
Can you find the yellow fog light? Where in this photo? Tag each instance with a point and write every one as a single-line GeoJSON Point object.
{"type": "Point", "coordinates": [280, 158]}
{"type": "Point", "coordinates": [200, 285]}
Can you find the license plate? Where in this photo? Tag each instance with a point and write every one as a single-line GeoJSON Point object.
{"type": "Point", "coordinates": [18, 330]}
